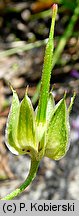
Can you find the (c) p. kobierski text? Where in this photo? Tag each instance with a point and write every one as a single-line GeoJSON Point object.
{"type": "Point", "coordinates": [55, 207]}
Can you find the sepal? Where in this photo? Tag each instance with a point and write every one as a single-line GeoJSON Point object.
{"type": "Point", "coordinates": [20, 128]}
{"type": "Point", "coordinates": [11, 126]}
{"type": "Point", "coordinates": [58, 133]}
{"type": "Point", "coordinates": [26, 125]}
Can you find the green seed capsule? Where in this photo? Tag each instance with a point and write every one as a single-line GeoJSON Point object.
{"type": "Point", "coordinates": [45, 132]}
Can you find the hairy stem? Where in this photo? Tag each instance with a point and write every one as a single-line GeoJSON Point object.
{"type": "Point", "coordinates": [46, 72]}
{"type": "Point", "coordinates": [31, 176]}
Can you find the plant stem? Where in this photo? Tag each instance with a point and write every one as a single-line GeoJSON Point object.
{"type": "Point", "coordinates": [46, 72]}
{"type": "Point", "coordinates": [31, 176]}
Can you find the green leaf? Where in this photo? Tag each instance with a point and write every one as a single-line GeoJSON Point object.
{"type": "Point", "coordinates": [11, 126]}
{"type": "Point", "coordinates": [26, 125]}
{"type": "Point", "coordinates": [58, 134]}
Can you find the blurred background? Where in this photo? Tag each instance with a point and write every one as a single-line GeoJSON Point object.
{"type": "Point", "coordinates": [24, 29]}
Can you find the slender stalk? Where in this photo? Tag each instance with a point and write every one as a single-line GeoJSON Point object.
{"type": "Point", "coordinates": [22, 48]}
{"type": "Point", "coordinates": [46, 72]}
{"type": "Point", "coordinates": [31, 176]}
